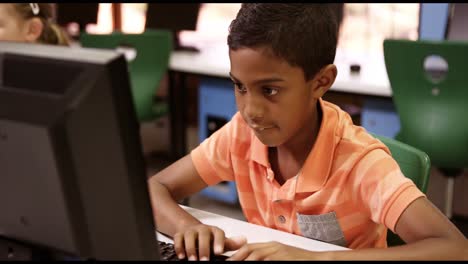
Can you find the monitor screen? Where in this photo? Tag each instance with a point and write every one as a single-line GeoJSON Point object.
{"type": "Point", "coordinates": [175, 17]}
{"type": "Point", "coordinates": [73, 178]}
{"type": "Point", "coordinates": [81, 13]}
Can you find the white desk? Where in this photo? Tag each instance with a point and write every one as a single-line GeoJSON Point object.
{"type": "Point", "coordinates": [254, 233]}
{"type": "Point", "coordinates": [213, 60]}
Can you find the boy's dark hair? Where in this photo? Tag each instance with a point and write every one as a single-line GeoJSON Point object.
{"type": "Point", "coordinates": [305, 35]}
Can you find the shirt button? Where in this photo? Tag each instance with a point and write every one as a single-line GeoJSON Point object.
{"type": "Point", "coordinates": [282, 219]}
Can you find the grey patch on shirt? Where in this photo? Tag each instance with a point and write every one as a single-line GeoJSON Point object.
{"type": "Point", "coordinates": [324, 227]}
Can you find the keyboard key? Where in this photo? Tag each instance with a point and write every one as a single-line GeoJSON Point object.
{"type": "Point", "coordinates": [167, 252]}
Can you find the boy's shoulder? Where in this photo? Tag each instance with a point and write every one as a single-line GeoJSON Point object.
{"type": "Point", "coordinates": [351, 137]}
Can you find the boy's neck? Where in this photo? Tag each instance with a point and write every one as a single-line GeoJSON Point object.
{"type": "Point", "coordinates": [287, 160]}
{"type": "Point", "coordinates": [301, 144]}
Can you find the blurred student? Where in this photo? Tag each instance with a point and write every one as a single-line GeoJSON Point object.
{"type": "Point", "coordinates": [30, 22]}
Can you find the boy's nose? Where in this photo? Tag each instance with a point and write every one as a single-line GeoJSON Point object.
{"type": "Point", "coordinates": [254, 111]}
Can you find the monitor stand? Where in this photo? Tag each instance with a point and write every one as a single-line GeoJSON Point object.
{"type": "Point", "coordinates": [11, 250]}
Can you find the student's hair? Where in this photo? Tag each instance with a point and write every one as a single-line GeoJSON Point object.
{"type": "Point", "coordinates": [305, 35]}
{"type": "Point", "coordinates": [51, 32]}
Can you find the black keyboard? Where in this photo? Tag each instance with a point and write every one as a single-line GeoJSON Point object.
{"type": "Point", "coordinates": [167, 252]}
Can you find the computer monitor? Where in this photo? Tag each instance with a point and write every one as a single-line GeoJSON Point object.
{"type": "Point", "coordinates": [173, 17]}
{"type": "Point", "coordinates": [73, 178]}
{"type": "Point", "coordinates": [81, 13]}
{"type": "Point", "coordinates": [74, 17]}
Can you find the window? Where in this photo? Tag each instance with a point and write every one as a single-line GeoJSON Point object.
{"type": "Point", "coordinates": [365, 26]}
{"type": "Point", "coordinates": [104, 22]}
{"type": "Point", "coordinates": [133, 17]}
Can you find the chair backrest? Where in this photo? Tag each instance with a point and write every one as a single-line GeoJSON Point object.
{"type": "Point", "coordinates": [415, 165]}
{"type": "Point", "coordinates": [432, 112]}
{"type": "Point", "coordinates": [153, 48]}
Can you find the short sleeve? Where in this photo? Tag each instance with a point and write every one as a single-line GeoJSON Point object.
{"type": "Point", "coordinates": [212, 158]}
{"type": "Point", "coordinates": [382, 188]}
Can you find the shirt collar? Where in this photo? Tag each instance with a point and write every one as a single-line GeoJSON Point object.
{"type": "Point", "coordinates": [259, 151]}
{"type": "Point", "coordinates": [317, 166]}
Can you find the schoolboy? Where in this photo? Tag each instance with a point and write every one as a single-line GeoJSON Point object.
{"type": "Point", "coordinates": [299, 163]}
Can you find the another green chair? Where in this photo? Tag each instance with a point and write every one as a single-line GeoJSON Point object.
{"type": "Point", "coordinates": [153, 48]}
{"type": "Point", "coordinates": [432, 108]}
{"type": "Point", "coordinates": [415, 165]}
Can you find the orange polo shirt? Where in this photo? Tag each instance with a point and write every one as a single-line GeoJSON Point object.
{"type": "Point", "coordinates": [348, 192]}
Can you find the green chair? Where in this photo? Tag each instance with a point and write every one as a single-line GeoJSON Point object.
{"type": "Point", "coordinates": [153, 48]}
{"type": "Point", "coordinates": [415, 165]}
{"type": "Point", "coordinates": [432, 107]}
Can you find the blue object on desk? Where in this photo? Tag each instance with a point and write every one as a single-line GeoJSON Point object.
{"type": "Point", "coordinates": [217, 105]}
{"type": "Point", "coordinates": [379, 116]}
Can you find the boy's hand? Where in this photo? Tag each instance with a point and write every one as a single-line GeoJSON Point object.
{"type": "Point", "coordinates": [195, 242]}
{"type": "Point", "coordinates": [273, 251]}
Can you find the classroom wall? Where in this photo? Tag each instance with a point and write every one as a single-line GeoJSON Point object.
{"type": "Point", "coordinates": [433, 21]}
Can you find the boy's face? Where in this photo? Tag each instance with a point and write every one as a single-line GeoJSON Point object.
{"type": "Point", "coordinates": [272, 96]}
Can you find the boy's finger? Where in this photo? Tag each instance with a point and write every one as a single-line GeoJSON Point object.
{"type": "Point", "coordinates": [190, 240]}
{"type": "Point", "coordinates": [179, 245]}
{"type": "Point", "coordinates": [234, 243]}
{"type": "Point", "coordinates": [204, 245]}
{"type": "Point", "coordinates": [218, 241]}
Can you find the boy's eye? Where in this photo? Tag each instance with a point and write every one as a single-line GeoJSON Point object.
{"type": "Point", "coordinates": [270, 91]}
{"type": "Point", "coordinates": [240, 88]}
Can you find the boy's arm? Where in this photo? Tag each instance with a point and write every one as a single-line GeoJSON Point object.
{"type": "Point", "coordinates": [170, 185]}
{"type": "Point", "coordinates": [427, 232]}
{"type": "Point", "coordinates": [191, 237]}
{"type": "Point", "coordinates": [212, 159]}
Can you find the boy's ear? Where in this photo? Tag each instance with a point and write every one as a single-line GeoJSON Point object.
{"type": "Point", "coordinates": [34, 29]}
{"type": "Point", "coordinates": [324, 80]}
